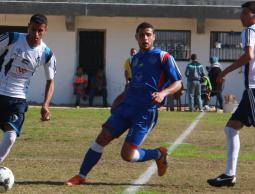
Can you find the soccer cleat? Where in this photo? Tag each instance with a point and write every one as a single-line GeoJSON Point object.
{"type": "Point", "coordinates": [76, 180]}
{"type": "Point", "coordinates": [162, 161]}
{"type": "Point", "coordinates": [222, 180]}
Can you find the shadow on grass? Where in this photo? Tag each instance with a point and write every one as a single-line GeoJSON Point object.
{"type": "Point", "coordinates": [88, 183]}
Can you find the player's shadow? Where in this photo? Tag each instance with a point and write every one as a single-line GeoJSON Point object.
{"type": "Point", "coordinates": [88, 183]}
{"type": "Point", "coordinates": [39, 183]}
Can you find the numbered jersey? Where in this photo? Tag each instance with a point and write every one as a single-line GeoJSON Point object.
{"type": "Point", "coordinates": [18, 63]}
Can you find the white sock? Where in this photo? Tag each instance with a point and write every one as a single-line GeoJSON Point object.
{"type": "Point", "coordinates": [136, 156]}
{"type": "Point", "coordinates": [233, 141]}
{"type": "Point", "coordinates": [8, 140]}
{"type": "Point", "coordinates": [96, 147]}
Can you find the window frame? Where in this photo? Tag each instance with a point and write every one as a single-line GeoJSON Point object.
{"type": "Point", "coordinates": [188, 43]}
{"type": "Point", "coordinates": [224, 45]}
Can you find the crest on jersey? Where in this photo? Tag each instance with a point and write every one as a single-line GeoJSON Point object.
{"type": "Point", "coordinates": [138, 76]}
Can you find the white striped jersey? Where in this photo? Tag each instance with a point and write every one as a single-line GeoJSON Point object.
{"type": "Point", "coordinates": [18, 63]}
{"type": "Point", "coordinates": [248, 39]}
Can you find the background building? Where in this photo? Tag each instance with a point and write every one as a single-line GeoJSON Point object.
{"type": "Point", "coordinates": [99, 34]}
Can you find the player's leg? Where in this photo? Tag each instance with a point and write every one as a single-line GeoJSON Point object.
{"type": "Point", "coordinates": [12, 116]}
{"type": "Point", "coordinates": [94, 153]}
{"type": "Point", "coordinates": [242, 116]}
{"type": "Point", "coordinates": [91, 157]}
{"type": "Point", "coordinates": [131, 154]}
{"type": "Point", "coordinates": [8, 139]}
{"type": "Point", "coordinates": [112, 128]}
{"type": "Point", "coordinates": [233, 141]}
{"type": "Point", "coordinates": [131, 150]}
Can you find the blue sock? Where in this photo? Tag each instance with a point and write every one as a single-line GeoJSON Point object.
{"type": "Point", "coordinates": [145, 154]}
{"type": "Point", "coordinates": [90, 160]}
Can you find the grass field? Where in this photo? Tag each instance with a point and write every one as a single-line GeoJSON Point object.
{"type": "Point", "coordinates": [48, 153]}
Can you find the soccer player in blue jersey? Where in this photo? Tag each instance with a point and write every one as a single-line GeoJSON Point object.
{"type": "Point", "coordinates": [154, 76]}
{"type": "Point", "coordinates": [20, 56]}
{"type": "Point", "coordinates": [245, 113]}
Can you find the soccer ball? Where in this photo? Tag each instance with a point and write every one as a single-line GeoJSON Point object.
{"type": "Point", "coordinates": [6, 179]}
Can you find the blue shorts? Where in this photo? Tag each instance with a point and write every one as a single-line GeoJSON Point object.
{"type": "Point", "coordinates": [140, 122]}
{"type": "Point", "coordinates": [245, 112]}
{"type": "Point", "coordinates": [12, 112]}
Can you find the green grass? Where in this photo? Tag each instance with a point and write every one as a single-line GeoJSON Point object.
{"type": "Point", "coordinates": [49, 153]}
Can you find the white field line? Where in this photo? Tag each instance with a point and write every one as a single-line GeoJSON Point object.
{"type": "Point", "coordinates": [145, 177]}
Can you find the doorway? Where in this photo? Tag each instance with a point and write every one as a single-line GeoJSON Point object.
{"type": "Point", "coordinates": [91, 51]}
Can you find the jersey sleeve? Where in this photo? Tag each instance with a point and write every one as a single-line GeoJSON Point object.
{"type": "Point", "coordinates": [50, 64]}
{"type": "Point", "coordinates": [249, 38]}
{"type": "Point", "coordinates": [170, 67]}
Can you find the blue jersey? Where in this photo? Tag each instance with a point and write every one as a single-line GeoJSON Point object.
{"type": "Point", "coordinates": [152, 71]}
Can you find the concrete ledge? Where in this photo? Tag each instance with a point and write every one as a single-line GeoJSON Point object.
{"type": "Point", "coordinates": [120, 9]}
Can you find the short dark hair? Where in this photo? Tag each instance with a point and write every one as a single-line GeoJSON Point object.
{"type": "Point", "coordinates": [193, 57]}
{"type": "Point", "coordinates": [250, 5]}
{"type": "Point", "coordinates": [39, 19]}
{"type": "Point", "coordinates": [143, 26]}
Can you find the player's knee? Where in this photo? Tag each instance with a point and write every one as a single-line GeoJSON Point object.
{"type": "Point", "coordinates": [126, 156]}
{"type": "Point", "coordinates": [104, 138]}
{"type": "Point", "coordinates": [10, 137]}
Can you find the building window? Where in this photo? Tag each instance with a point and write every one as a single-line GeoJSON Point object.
{"type": "Point", "coordinates": [226, 45]}
{"type": "Point", "coordinates": [21, 29]}
{"type": "Point", "coordinates": [176, 42]}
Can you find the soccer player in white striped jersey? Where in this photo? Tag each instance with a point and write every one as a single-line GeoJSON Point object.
{"type": "Point", "coordinates": [20, 55]}
{"type": "Point", "coordinates": [245, 113]}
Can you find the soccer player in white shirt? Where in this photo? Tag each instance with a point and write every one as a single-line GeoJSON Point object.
{"type": "Point", "coordinates": [245, 113]}
{"type": "Point", "coordinates": [20, 56]}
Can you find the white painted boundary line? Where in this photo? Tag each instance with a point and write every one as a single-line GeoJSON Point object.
{"type": "Point", "coordinates": [145, 177]}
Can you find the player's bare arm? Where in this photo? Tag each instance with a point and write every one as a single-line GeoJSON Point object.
{"type": "Point", "coordinates": [158, 97]}
{"type": "Point", "coordinates": [49, 90]}
{"type": "Point", "coordinates": [244, 59]}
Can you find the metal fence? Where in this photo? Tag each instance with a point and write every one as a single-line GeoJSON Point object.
{"type": "Point", "coordinates": [176, 42]}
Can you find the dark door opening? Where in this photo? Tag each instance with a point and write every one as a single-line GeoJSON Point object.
{"type": "Point", "coordinates": [91, 51]}
{"type": "Point", "coordinates": [4, 29]}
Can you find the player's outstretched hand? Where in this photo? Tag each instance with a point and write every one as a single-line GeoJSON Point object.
{"type": "Point", "coordinates": [45, 114]}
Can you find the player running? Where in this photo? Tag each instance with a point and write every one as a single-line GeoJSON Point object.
{"type": "Point", "coordinates": [245, 113]}
{"type": "Point", "coordinates": [20, 56]}
{"type": "Point", "coordinates": [154, 76]}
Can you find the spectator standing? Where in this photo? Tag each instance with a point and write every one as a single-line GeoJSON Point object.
{"type": "Point", "coordinates": [213, 73]}
{"type": "Point", "coordinates": [194, 72]}
{"type": "Point", "coordinates": [127, 66]}
{"type": "Point", "coordinates": [206, 89]}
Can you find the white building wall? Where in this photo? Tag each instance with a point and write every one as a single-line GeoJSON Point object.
{"type": "Point", "coordinates": [118, 41]}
